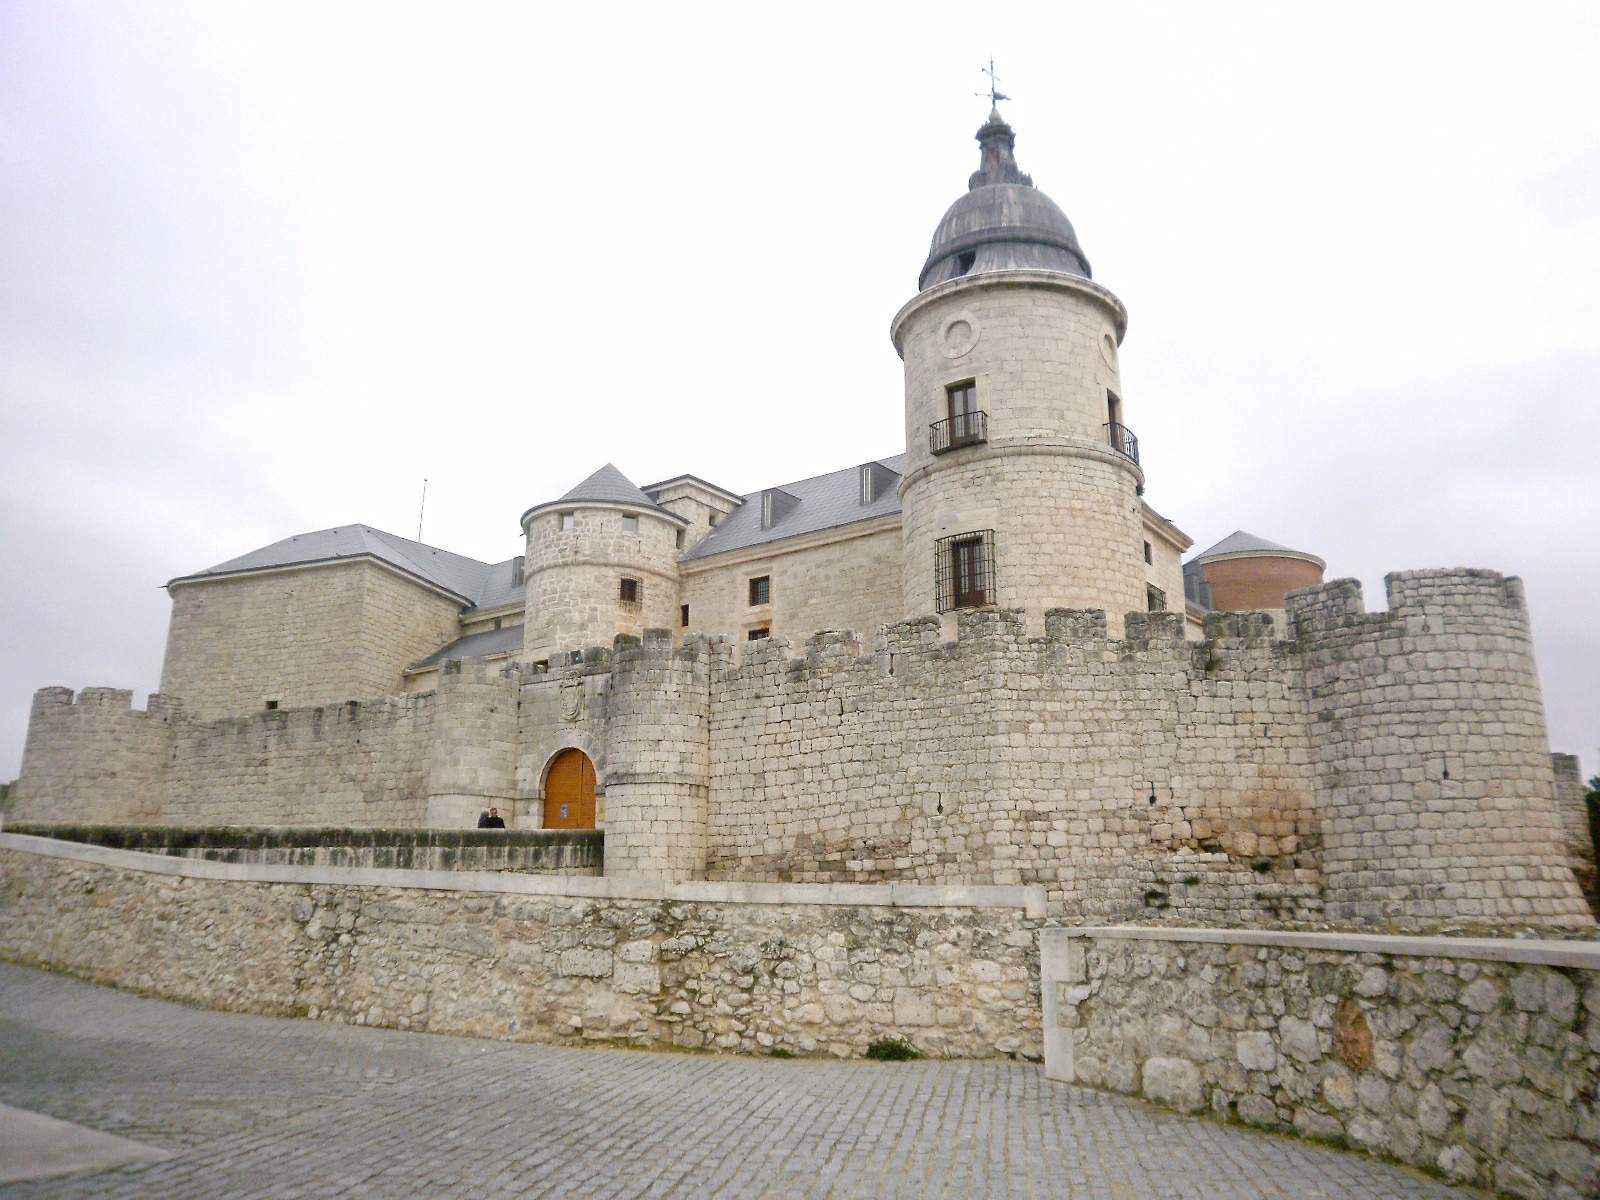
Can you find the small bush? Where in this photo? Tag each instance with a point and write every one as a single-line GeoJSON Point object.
{"type": "Point", "coordinates": [780, 1052]}
{"type": "Point", "coordinates": [892, 1050]}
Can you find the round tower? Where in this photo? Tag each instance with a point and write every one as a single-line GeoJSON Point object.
{"type": "Point", "coordinates": [1022, 480]}
{"type": "Point", "coordinates": [601, 562]}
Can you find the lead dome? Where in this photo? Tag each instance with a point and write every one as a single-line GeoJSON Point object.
{"type": "Point", "coordinates": [1003, 223]}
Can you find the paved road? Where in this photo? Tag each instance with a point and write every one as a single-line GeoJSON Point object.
{"type": "Point", "coordinates": [259, 1107]}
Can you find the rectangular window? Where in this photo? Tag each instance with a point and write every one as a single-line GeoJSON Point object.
{"type": "Point", "coordinates": [1155, 598]}
{"type": "Point", "coordinates": [962, 398]}
{"type": "Point", "coordinates": [761, 590]}
{"type": "Point", "coordinates": [869, 486]}
{"type": "Point", "coordinates": [680, 539]}
{"type": "Point", "coordinates": [630, 592]}
{"type": "Point", "coordinates": [964, 570]}
{"type": "Point", "coordinates": [1113, 411]}
{"type": "Point", "coordinates": [569, 521]}
{"type": "Point", "coordinates": [759, 634]}
{"type": "Point", "coordinates": [272, 705]}
{"type": "Point", "coordinates": [1148, 557]}
{"type": "Point", "coordinates": [683, 616]}
{"type": "Point", "coordinates": [630, 524]}
{"type": "Point", "coordinates": [713, 518]}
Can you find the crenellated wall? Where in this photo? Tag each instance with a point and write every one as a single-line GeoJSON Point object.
{"type": "Point", "coordinates": [94, 757]}
{"type": "Point", "coordinates": [1430, 757]}
{"type": "Point", "coordinates": [1385, 768]}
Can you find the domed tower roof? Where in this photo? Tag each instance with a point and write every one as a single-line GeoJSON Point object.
{"type": "Point", "coordinates": [1003, 223]}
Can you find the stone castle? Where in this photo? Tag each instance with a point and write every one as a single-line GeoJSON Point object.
{"type": "Point", "coordinates": [1037, 692]}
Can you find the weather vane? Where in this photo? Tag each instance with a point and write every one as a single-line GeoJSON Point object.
{"type": "Point", "coordinates": [994, 94]}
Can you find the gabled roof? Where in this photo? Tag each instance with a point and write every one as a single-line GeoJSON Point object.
{"type": "Point", "coordinates": [491, 641]}
{"type": "Point", "coordinates": [474, 583]}
{"type": "Point", "coordinates": [1240, 542]}
{"type": "Point", "coordinates": [821, 502]}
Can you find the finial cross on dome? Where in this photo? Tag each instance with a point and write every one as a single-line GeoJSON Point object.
{"type": "Point", "coordinates": [994, 93]}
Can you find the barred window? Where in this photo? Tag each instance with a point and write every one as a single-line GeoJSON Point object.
{"type": "Point", "coordinates": [630, 593]}
{"type": "Point", "coordinates": [1155, 598]}
{"type": "Point", "coordinates": [761, 590]}
{"type": "Point", "coordinates": [964, 570]}
{"type": "Point", "coordinates": [759, 634]}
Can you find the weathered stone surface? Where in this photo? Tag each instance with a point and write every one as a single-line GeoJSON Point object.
{"type": "Point", "coordinates": [1415, 1071]}
{"type": "Point", "coordinates": [1174, 1082]}
{"type": "Point", "coordinates": [748, 977]}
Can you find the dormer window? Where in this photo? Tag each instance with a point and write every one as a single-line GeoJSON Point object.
{"type": "Point", "coordinates": [869, 489]}
{"type": "Point", "coordinates": [876, 480]}
{"type": "Point", "coordinates": [775, 505]}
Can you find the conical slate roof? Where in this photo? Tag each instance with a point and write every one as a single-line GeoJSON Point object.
{"type": "Point", "coordinates": [609, 486]}
{"type": "Point", "coordinates": [606, 486]}
{"type": "Point", "coordinates": [1240, 542]}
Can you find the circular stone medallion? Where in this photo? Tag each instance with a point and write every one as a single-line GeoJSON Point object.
{"type": "Point", "coordinates": [960, 336]}
{"type": "Point", "coordinates": [1108, 350]}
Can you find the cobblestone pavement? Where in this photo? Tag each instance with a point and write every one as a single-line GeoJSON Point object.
{"type": "Point", "coordinates": [256, 1106]}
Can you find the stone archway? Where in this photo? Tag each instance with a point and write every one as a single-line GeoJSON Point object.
{"type": "Point", "coordinates": [569, 791]}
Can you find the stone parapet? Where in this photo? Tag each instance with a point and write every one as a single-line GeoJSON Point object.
{"type": "Point", "coordinates": [1476, 1058]}
{"type": "Point", "coordinates": [540, 958]}
{"type": "Point", "coordinates": [1572, 807]}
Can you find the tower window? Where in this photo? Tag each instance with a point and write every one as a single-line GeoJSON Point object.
{"type": "Point", "coordinates": [761, 590]}
{"type": "Point", "coordinates": [964, 570]}
{"type": "Point", "coordinates": [1155, 598]}
{"type": "Point", "coordinates": [683, 615]}
{"type": "Point", "coordinates": [680, 539]}
{"type": "Point", "coordinates": [272, 706]}
{"type": "Point", "coordinates": [1148, 556]}
{"type": "Point", "coordinates": [569, 521]}
{"type": "Point", "coordinates": [964, 262]}
{"type": "Point", "coordinates": [630, 524]}
{"type": "Point", "coordinates": [630, 592]}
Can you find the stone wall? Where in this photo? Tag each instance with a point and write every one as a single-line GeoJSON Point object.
{"type": "Point", "coordinates": [573, 598]}
{"type": "Point", "coordinates": [1041, 351]}
{"type": "Point", "coordinates": [316, 635]}
{"type": "Point", "coordinates": [94, 758]}
{"type": "Point", "coordinates": [1139, 777]}
{"type": "Point", "coordinates": [1572, 806]}
{"type": "Point", "coordinates": [1430, 754]}
{"type": "Point", "coordinates": [849, 580]}
{"type": "Point", "coordinates": [553, 852]}
{"type": "Point", "coordinates": [809, 971]}
{"type": "Point", "coordinates": [1475, 1058]}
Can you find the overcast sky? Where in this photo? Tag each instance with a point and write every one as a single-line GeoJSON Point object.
{"type": "Point", "coordinates": [265, 267]}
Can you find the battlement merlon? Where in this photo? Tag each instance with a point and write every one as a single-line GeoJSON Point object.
{"type": "Point", "coordinates": [111, 700]}
{"type": "Point", "coordinates": [1475, 594]}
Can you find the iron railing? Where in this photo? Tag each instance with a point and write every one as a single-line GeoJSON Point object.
{"type": "Point", "coordinates": [964, 570]}
{"type": "Point", "coordinates": [963, 429]}
{"type": "Point", "coordinates": [1122, 440]}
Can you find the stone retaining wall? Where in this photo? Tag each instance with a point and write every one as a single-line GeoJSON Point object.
{"type": "Point", "coordinates": [744, 967]}
{"type": "Point", "coordinates": [1477, 1058]}
{"type": "Point", "coordinates": [540, 851]}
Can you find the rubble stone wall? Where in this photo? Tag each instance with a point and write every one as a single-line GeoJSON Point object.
{"type": "Point", "coordinates": [1478, 1058]}
{"type": "Point", "coordinates": [810, 971]}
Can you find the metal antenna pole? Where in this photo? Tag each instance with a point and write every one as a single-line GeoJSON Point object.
{"type": "Point", "coordinates": [421, 508]}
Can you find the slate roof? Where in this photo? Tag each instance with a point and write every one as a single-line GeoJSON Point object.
{"type": "Point", "coordinates": [478, 584]}
{"type": "Point", "coordinates": [490, 641]}
{"type": "Point", "coordinates": [1240, 542]}
{"type": "Point", "coordinates": [824, 502]}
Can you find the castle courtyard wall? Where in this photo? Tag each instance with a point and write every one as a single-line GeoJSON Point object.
{"type": "Point", "coordinates": [302, 637]}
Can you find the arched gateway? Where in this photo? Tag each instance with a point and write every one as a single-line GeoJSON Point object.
{"type": "Point", "coordinates": [569, 792]}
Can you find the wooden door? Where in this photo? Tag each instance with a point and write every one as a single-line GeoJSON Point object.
{"type": "Point", "coordinates": [569, 792]}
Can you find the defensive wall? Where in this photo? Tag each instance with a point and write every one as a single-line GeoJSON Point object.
{"type": "Point", "coordinates": [1476, 1058]}
{"type": "Point", "coordinates": [1577, 825]}
{"type": "Point", "coordinates": [1360, 768]}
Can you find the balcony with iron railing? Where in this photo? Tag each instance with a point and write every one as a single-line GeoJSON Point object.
{"type": "Point", "coordinates": [963, 429]}
{"type": "Point", "coordinates": [1122, 440]}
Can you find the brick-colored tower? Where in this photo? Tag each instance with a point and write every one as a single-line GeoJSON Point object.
{"type": "Point", "coordinates": [1022, 481]}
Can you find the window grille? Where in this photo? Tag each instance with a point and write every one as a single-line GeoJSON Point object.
{"type": "Point", "coordinates": [1155, 598]}
{"type": "Point", "coordinates": [630, 593]}
{"type": "Point", "coordinates": [761, 590]}
{"type": "Point", "coordinates": [964, 570]}
{"type": "Point", "coordinates": [759, 634]}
